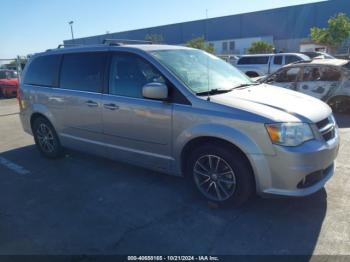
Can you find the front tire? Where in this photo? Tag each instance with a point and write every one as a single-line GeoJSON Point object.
{"type": "Point", "coordinates": [221, 174]}
{"type": "Point", "coordinates": [46, 138]}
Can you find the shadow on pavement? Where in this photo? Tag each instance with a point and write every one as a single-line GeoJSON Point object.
{"type": "Point", "coordinates": [85, 204]}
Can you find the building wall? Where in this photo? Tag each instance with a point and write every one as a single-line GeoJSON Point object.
{"type": "Point", "coordinates": [287, 26]}
{"type": "Point", "coordinates": [240, 45]}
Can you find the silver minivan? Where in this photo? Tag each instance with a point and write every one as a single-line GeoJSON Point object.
{"type": "Point", "coordinates": [179, 111]}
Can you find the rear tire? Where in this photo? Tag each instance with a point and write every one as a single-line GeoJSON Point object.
{"type": "Point", "coordinates": [221, 174]}
{"type": "Point", "coordinates": [46, 138]}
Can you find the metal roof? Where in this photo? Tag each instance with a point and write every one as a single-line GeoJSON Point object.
{"type": "Point", "coordinates": [281, 23]}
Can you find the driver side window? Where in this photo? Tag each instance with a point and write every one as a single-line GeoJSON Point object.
{"type": "Point", "coordinates": [129, 73]}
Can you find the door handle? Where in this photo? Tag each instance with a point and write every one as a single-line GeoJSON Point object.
{"type": "Point", "coordinates": [111, 106]}
{"type": "Point", "coordinates": [91, 103]}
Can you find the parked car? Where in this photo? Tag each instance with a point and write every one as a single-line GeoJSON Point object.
{"type": "Point", "coordinates": [8, 83]}
{"type": "Point", "coordinates": [264, 64]}
{"type": "Point", "coordinates": [180, 111]}
{"type": "Point", "coordinates": [231, 59]}
{"type": "Point", "coordinates": [325, 79]}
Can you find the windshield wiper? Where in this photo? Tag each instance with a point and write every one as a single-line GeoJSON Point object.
{"type": "Point", "coordinates": [245, 85]}
{"type": "Point", "coordinates": [214, 91]}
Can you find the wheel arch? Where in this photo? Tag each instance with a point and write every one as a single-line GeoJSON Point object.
{"type": "Point", "coordinates": [193, 143]}
{"type": "Point", "coordinates": [35, 116]}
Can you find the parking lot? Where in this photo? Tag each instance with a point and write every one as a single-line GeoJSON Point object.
{"type": "Point", "coordinates": [82, 204]}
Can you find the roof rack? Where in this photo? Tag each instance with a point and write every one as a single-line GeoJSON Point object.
{"type": "Point", "coordinates": [119, 42]}
{"type": "Point", "coordinates": [64, 45]}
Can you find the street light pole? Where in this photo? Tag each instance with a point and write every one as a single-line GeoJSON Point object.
{"type": "Point", "coordinates": [71, 28]}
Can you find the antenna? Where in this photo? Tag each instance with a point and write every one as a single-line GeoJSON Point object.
{"type": "Point", "coordinates": [208, 73]}
{"type": "Point", "coordinates": [206, 39]}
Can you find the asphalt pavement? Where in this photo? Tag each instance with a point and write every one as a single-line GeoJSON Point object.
{"type": "Point", "coordinates": [82, 204]}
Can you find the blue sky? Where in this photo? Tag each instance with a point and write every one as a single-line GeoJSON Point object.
{"type": "Point", "coordinates": [29, 26]}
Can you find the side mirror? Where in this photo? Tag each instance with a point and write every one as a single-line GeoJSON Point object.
{"type": "Point", "coordinates": [157, 91]}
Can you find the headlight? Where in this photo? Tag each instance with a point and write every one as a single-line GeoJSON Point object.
{"type": "Point", "coordinates": [289, 134]}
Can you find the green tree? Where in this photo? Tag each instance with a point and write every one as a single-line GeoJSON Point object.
{"type": "Point", "coordinates": [332, 36]}
{"type": "Point", "coordinates": [154, 38]}
{"type": "Point", "coordinates": [260, 47]}
{"type": "Point", "coordinates": [200, 43]}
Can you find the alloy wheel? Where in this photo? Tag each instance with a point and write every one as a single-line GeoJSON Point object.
{"type": "Point", "coordinates": [45, 138]}
{"type": "Point", "coordinates": [214, 177]}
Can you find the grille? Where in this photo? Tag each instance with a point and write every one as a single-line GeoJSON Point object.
{"type": "Point", "coordinates": [327, 128]}
{"type": "Point", "coordinates": [322, 123]}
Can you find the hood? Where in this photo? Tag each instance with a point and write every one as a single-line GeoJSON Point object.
{"type": "Point", "coordinates": [276, 103]}
{"type": "Point", "coordinates": [9, 82]}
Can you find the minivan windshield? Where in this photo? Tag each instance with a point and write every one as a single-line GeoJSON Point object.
{"type": "Point", "coordinates": [201, 71]}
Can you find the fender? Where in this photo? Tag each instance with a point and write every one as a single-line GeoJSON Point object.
{"type": "Point", "coordinates": [220, 131]}
{"type": "Point", "coordinates": [43, 110]}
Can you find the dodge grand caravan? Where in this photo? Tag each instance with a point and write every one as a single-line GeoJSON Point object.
{"type": "Point", "coordinates": [180, 111]}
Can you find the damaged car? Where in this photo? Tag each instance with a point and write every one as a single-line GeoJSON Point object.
{"type": "Point", "coordinates": [325, 79]}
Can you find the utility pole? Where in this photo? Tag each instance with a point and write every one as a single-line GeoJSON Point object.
{"type": "Point", "coordinates": [206, 24]}
{"type": "Point", "coordinates": [71, 28]}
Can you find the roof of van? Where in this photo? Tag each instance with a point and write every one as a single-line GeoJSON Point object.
{"type": "Point", "coordinates": [144, 47]}
{"type": "Point", "coordinates": [298, 54]}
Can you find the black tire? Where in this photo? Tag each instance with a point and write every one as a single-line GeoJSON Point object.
{"type": "Point", "coordinates": [55, 149]}
{"type": "Point", "coordinates": [244, 186]}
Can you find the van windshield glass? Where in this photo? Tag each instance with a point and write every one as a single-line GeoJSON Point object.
{"type": "Point", "coordinates": [200, 71]}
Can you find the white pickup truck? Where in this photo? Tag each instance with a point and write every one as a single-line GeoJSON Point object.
{"type": "Point", "coordinates": [263, 64]}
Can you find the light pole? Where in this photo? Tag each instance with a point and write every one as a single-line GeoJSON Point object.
{"type": "Point", "coordinates": [71, 28]}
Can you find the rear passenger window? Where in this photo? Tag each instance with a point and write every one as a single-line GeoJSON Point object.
{"type": "Point", "coordinates": [129, 73]}
{"type": "Point", "coordinates": [330, 74]}
{"type": "Point", "coordinates": [277, 60]}
{"type": "Point", "coordinates": [292, 59]}
{"type": "Point", "coordinates": [311, 74]}
{"type": "Point", "coordinates": [43, 71]}
{"type": "Point", "coordinates": [83, 71]}
{"type": "Point", "coordinates": [253, 60]}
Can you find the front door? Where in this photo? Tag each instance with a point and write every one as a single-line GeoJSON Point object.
{"type": "Point", "coordinates": [286, 78]}
{"type": "Point", "coordinates": [137, 129]}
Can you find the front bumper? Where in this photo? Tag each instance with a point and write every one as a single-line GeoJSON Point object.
{"type": "Point", "coordinates": [296, 171]}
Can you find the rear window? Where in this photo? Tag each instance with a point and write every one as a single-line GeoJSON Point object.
{"type": "Point", "coordinates": [42, 71]}
{"type": "Point", "coordinates": [83, 71]}
{"type": "Point", "coordinates": [277, 60]}
{"type": "Point", "coordinates": [330, 74]}
{"type": "Point", "coordinates": [253, 60]}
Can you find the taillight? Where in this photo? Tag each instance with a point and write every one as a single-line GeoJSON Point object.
{"type": "Point", "coordinates": [20, 99]}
